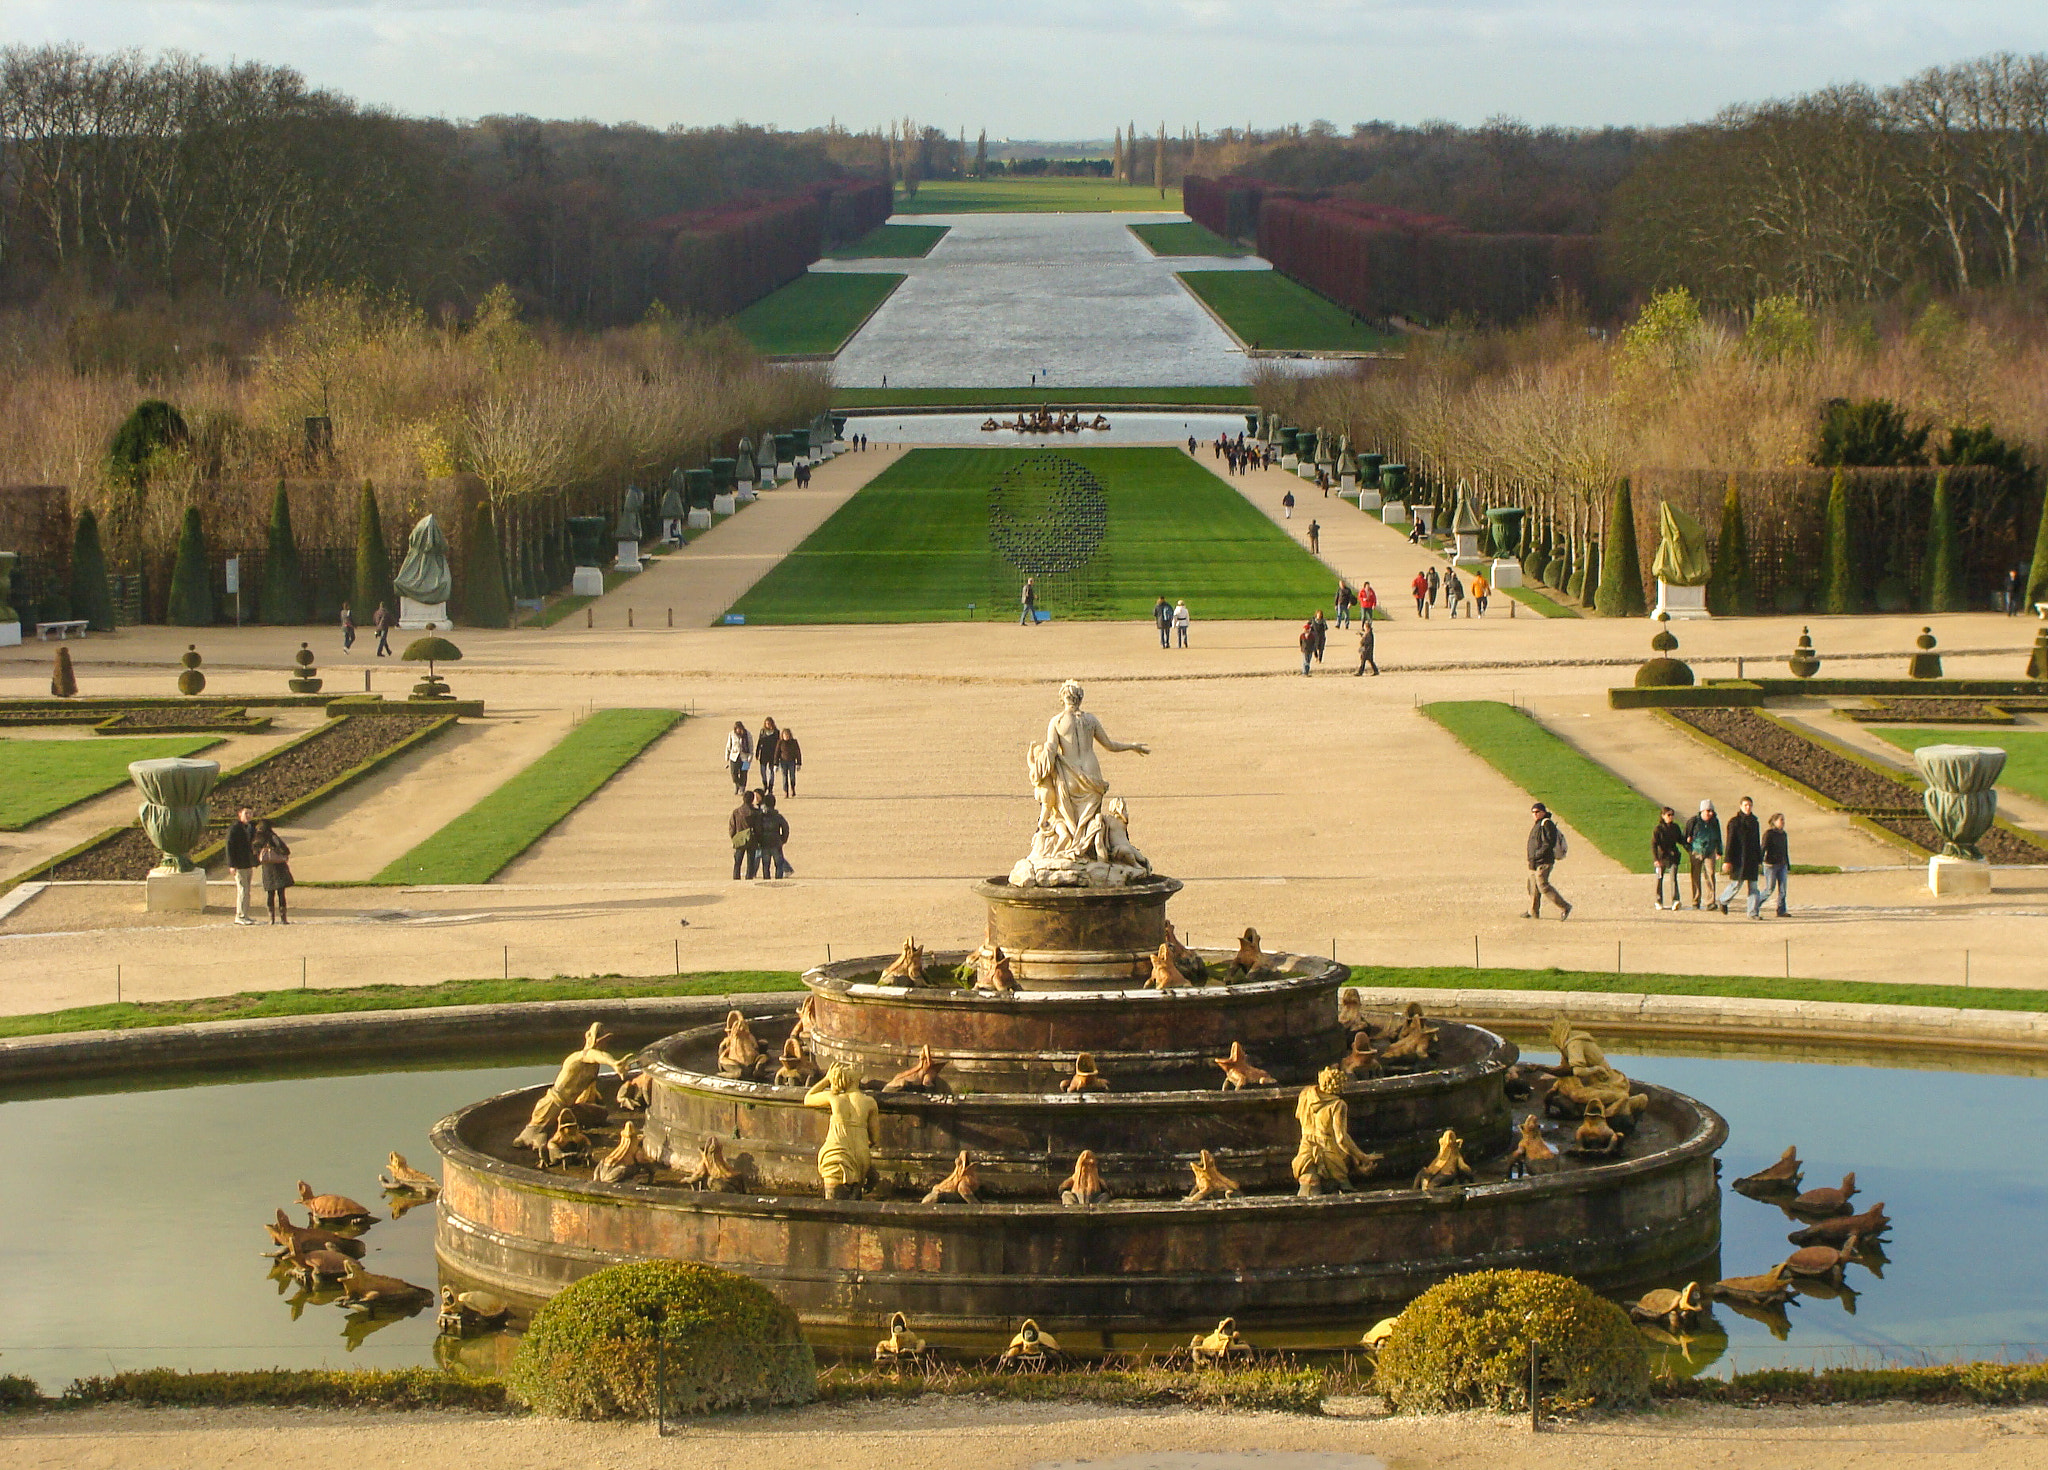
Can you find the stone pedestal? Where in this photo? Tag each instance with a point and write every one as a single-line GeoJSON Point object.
{"type": "Point", "coordinates": [1347, 482]}
{"type": "Point", "coordinates": [1507, 572]}
{"type": "Point", "coordinates": [1370, 498]}
{"type": "Point", "coordinates": [418, 616]}
{"type": "Point", "coordinates": [785, 470]}
{"type": "Point", "coordinates": [1425, 517]}
{"type": "Point", "coordinates": [1952, 877]}
{"type": "Point", "coordinates": [744, 495]}
{"type": "Point", "coordinates": [700, 519]}
{"type": "Point", "coordinates": [176, 893]}
{"type": "Point", "coordinates": [723, 505]}
{"type": "Point", "coordinates": [629, 557]}
{"type": "Point", "coordinates": [10, 634]}
{"type": "Point", "coordinates": [743, 487]}
{"type": "Point", "coordinates": [1079, 938]}
{"type": "Point", "coordinates": [1396, 513]}
{"type": "Point", "coordinates": [587, 582]}
{"type": "Point", "coordinates": [1467, 552]}
{"type": "Point", "coordinates": [1306, 470]}
{"type": "Point", "coordinates": [1289, 461]}
{"type": "Point", "coordinates": [1680, 603]}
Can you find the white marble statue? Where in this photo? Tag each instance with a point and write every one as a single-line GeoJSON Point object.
{"type": "Point", "coordinates": [1083, 839]}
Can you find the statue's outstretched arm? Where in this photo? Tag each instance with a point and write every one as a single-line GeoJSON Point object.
{"type": "Point", "coordinates": [1110, 743]}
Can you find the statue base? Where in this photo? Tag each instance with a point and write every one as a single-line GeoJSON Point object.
{"type": "Point", "coordinates": [1347, 482]}
{"type": "Point", "coordinates": [1955, 877]}
{"type": "Point", "coordinates": [10, 634]}
{"type": "Point", "coordinates": [420, 616]}
{"type": "Point", "coordinates": [1079, 938]}
{"type": "Point", "coordinates": [1396, 512]}
{"type": "Point", "coordinates": [1425, 517]}
{"type": "Point", "coordinates": [1289, 461]}
{"type": "Point", "coordinates": [700, 519]}
{"type": "Point", "coordinates": [629, 557]}
{"type": "Point", "coordinates": [1370, 498]}
{"type": "Point", "coordinates": [175, 893]}
{"type": "Point", "coordinates": [1507, 572]}
{"type": "Point", "coordinates": [785, 470]}
{"type": "Point", "coordinates": [1680, 603]}
{"type": "Point", "coordinates": [724, 505]}
{"type": "Point", "coordinates": [587, 582]}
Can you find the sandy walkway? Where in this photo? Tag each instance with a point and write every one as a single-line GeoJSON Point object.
{"type": "Point", "coordinates": [945, 1435]}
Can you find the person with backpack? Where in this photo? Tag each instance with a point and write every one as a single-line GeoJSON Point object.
{"type": "Point", "coordinates": [1162, 619]}
{"type": "Point", "coordinates": [1547, 848]}
{"type": "Point", "coordinates": [1703, 849]}
{"type": "Point", "coordinates": [1667, 840]}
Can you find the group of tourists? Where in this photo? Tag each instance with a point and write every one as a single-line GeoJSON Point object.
{"type": "Point", "coordinates": [1753, 855]}
{"type": "Point", "coordinates": [254, 845]}
{"type": "Point", "coordinates": [774, 751]}
{"type": "Point", "coordinates": [760, 833]}
{"type": "Point", "coordinates": [1237, 456]}
{"type": "Point", "coordinates": [1429, 585]}
{"type": "Point", "coordinates": [1170, 618]}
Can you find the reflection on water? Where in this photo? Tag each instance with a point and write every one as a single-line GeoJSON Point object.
{"type": "Point", "coordinates": [133, 1233]}
{"type": "Point", "coordinates": [1124, 428]}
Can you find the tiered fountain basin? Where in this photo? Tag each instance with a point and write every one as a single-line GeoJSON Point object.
{"type": "Point", "coordinates": [1146, 1260]}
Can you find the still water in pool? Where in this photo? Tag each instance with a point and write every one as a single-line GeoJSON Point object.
{"type": "Point", "coordinates": [133, 1236]}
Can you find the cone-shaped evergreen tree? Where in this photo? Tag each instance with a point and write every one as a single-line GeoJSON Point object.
{"type": "Point", "coordinates": [1944, 552]}
{"type": "Point", "coordinates": [1620, 592]}
{"type": "Point", "coordinates": [1731, 590]}
{"type": "Point", "coordinates": [92, 596]}
{"type": "Point", "coordinates": [373, 561]}
{"type": "Point", "coordinates": [2037, 572]}
{"type": "Point", "coordinates": [284, 587]}
{"type": "Point", "coordinates": [191, 601]}
{"type": "Point", "coordinates": [485, 603]}
{"type": "Point", "coordinates": [1838, 573]}
{"type": "Point", "coordinates": [1589, 589]}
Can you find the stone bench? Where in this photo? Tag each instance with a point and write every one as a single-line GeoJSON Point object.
{"type": "Point", "coordinates": [63, 628]}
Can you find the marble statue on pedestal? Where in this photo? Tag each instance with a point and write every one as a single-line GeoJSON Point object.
{"type": "Point", "coordinates": [1082, 839]}
{"type": "Point", "coordinates": [424, 580]}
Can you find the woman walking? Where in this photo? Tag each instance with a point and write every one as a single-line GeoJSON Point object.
{"type": "Point", "coordinates": [788, 757]}
{"type": "Point", "coordinates": [348, 628]}
{"type": "Point", "coordinates": [1420, 587]}
{"type": "Point", "coordinates": [1777, 867]}
{"type": "Point", "coordinates": [739, 754]}
{"type": "Point", "coordinates": [767, 751]}
{"type": "Point", "coordinates": [275, 859]}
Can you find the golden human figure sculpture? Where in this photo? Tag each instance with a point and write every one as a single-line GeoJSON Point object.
{"type": "Point", "coordinates": [1583, 1076]}
{"type": "Point", "coordinates": [1329, 1158]}
{"type": "Point", "coordinates": [575, 1085]}
{"type": "Point", "coordinates": [847, 1154]}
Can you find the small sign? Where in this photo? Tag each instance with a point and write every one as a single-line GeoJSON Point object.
{"type": "Point", "coordinates": [734, 619]}
{"type": "Point", "coordinates": [234, 574]}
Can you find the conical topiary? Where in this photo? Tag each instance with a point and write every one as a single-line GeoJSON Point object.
{"type": "Point", "coordinates": [191, 681]}
{"type": "Point", "coordinates": [63, 682]}
{"type": "Point", "coordinates": [373, 561]}
{"type": "Point", "coordinates": [1804, 663]}
{"type": "Point", "coordinates": [1620, 590]}
{"type": "Point", "coordinates": [1589, 589]}
{"type": "Point", "coordinates": [1731, 589]}
{"type": "Point", "coordinates": [1944, 553]}
{"type": "Point", "coordinates": [485, 602]}
{"type": "Point", "coordinates": [2037, 570]}
{"type": "Point", "coordinates": [305, 678]}
{"type": "Point", "coordinates": [191, 600]}
{"type": "Point", "coordinates": [1664, 671]}
{"type": "Point", "coordinates": [284, 586]}
{"type": "Point", "coordinates": [2037, 661]}
{"type": "Point", "coordinates": [92, 596]}
{"type": "Point", "coordinates": [1839, 593]}
{"type": "Point", "coordinates": [1925, 664]}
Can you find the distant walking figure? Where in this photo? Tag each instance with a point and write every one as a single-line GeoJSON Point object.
{"type": "Point", "coordinates": [1546, 848]}
{"type": "Point", "coordinates": [348, 629]}
{"type": "Point", "coordinates": [1435, 582]}
{"type": "Point", "coordinates": [1420, 587]}
{"type": "Point", "coordinates": [1308, 645]}
{"type": "Point", "coordinates": [1365, 653]}
{"type": "Point", "coordinates": [381, 620]}
{"type": "Point", "coordinates": [1667, 841]}
{"type": "Point", "coordinates": [1287, 504]}
{"type": "Point", "coordinates": [1180, 621]}
{"type": "Point", "coordinates": [790, 757]}
{"type": "Point", "coordinates": [767, 752]}
{"type": "Point", "coordinates": [275, 861]}
{"type": "Point", "coordinates": [1315, 538]}
{"type": "Point", "coordinates": [739, 754]}
{"type": "Point", "coordinates": [1777, 867]}
{"type": "Point", "coordinates": [1162, 618]}
{"type": "Point", "coordinates": [1030, 601]}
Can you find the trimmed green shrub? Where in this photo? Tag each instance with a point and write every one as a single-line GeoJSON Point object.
{"type": "Point", "coordinates": [1465, 1345]}
{"type": "Point", "coordinates": [153, 425]}
{"type": "Point", "coordinates": [1731, 590]}
{"type": "Point", "coordinates": [1944, 552]}
{"type": "Point", "coordinates": [2037, 570]}
{"type": "Point", "coordinates": [728, 1342]}
{"type": "Point", "coordinates": [401, 1388]}
{"type": "Point", "coordinates": [17, 1392]}
{"type": "Point", "coordinates": [92, 596]}
{"type": "Point", "coordinates": [191, 603]}
{"type": "Point", "coordinates": [1620, 593]}
{"type": "Point", "coordinates": [1940, 1383]}
{"type": "Point", "coordinates": [485, 601]}
{"type": "Point", "coordinates": [1867, 432]}
{"type": "Point", "coordinates": [284, 588]}
{"type": "Point", "coordinates": [373, 562]}
{"type": "Point", "coordinates": [1838, 590]}
{"type": "Point", "coordinates": [1588, 590]}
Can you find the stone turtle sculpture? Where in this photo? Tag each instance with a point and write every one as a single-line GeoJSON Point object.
{"type": "Point", "coordinates": [1780, 1178]}
{"type": "Point", "coordinates": [1872, 1223]}
{"type": "Point", "coordinates": [402, 1178]}
{"type": "Point", "coordinates": [1675, 1309]}
{"type": "Point", "coordinates": [288, 1238]}
{"type": "Point", "coordinates": [1826, 1201]}
{"type": "Point", "coordinates": [332, 1209]}
{"type": "Point", "coordinates": [470, 1311]}
{"type": "Point", "coordinates": [360, 1288]}
{"type": "Point", "coordinates": [1220, 1347]}
{"type": "Point", "coordinates": [1772, 1287]}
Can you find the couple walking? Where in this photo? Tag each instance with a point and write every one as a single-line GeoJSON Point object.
{"type": "Point", "coordinates": [254, 844]}
{"type": "Point", "coordinates": [1746, 852]}
{"type": "Point", "coordinates": [759, 834]}
{"type": "Point", "coordinates": [1170, 618]}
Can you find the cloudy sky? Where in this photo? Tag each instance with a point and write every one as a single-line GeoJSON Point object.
{"type": "Point", "coordinates": [1063, 68]}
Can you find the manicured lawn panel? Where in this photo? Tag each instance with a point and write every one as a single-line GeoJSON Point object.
{"type": "Point", "coordinates": [1272, 312]}
{"type": "Point", "coordinates": [815, 313]}
{"type": "Point", "coordinates": [1531, 598]}
{"type": "Point", "coordinates": [1582, 793]}
{"type": "Point", "coordinates": [1034, 196]}
{"type": "Point", "coordinates": [1753, 987]}
{"type": "Point", "coordinates": [480, 842]}
{"type": "Point", "coordinates": [2026, 752]}
{"type": "Point", "coordinates": [893, 242]}
{"type": "Point", "coordinates": [913, 546]}
{"type": "Point", "coordinates": [41, 777]}
{"type": "Point", "coordinates": [1185, 239]}
{"type": "Point", "coordinates": [861, 398]}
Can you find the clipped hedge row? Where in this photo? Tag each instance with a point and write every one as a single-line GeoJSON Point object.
{"type": "Point", "coordinates": [399, 1388]}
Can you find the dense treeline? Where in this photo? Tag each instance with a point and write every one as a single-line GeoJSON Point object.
{"type": "Point", "coordinates": [123, 171]}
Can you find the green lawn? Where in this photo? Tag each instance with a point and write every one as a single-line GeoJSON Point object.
{"type": "Point", "coordinates": [2026, 752]}
{"type": "Point", "coordinates": [1533, 598]}
{"type": "Point", "coordinates": [480, 842]}
{"type": "Point", "coordinates": [893, 242]}
{"type": "Point", "coordinates": [815, 314]}
{"type": "Point", "coordinates": [1271, 312]}
{"type": "Point", "coordinates": [1187, 238]}
{"type": "Point", "coordinates": [45, 776]}
{"type": "Point", "coordinates": [1033, 196]}
{"type": "Point", "coordinates": [1582, 793]}
{"type": "Point", "coordinates": [917, 545]}
{"type": "Point", "coordinates": [1204, 397]}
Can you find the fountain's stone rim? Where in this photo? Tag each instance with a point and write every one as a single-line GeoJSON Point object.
{"type": "Point", "coordinates": [835, 978]}
{"type": "Point", "coordinates": [1708, 1133]}
{"type": "Point", "coordinates": [1001, 889]}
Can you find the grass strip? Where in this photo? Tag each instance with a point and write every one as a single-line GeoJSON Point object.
{"type": "Point", "coordinates": [313, 1388]}
{"type": "Point", "coordinates": [1290, 1390]}
{"type": "Point", "coordinates": [893, 242]}
{"type": "Point", "coordinates": [1033, 196]}
{"type": "Point", "coordinates": [1273, 313]}
{"type": "Point", "coordinates": [1737, 987]}
{"type": "Point", "coordinates": [249, 1005]}
{"type": "Point", "coordinates": [815, 314]}
{"type": "Point", "coordinates": [1190, 396]}
{"type": "Point", "coordinates": [1530, 597]}
{"type": "Point", "coordinates": [45, 776]}
{"type": "Point", "coordinates": [1925, 1383]}
{"type": "Point", "coordinates": [1189, 238]}
{"type": "Point", "coordinates": [918, 544]}
{"type": "Point", "coordinates": [477, 845]}
{"type": "Point", "coordinates": [2026, 753]}
{"type": "Point", "coordinates": [1606, 810]}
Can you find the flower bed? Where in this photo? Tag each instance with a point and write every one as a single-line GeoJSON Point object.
{"type": "Point", "coordinates": [2000, 844]}
{"type": "Point", "coordinates": [183, 721]}
{"type": "Point", "coordinates": [1775, 749]}
{"type": "Point", "coordinates": [1906, 710]}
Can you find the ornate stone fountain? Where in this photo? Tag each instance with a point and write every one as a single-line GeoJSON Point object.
{"type": "Point", "coordinates": [1225, 1147]}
